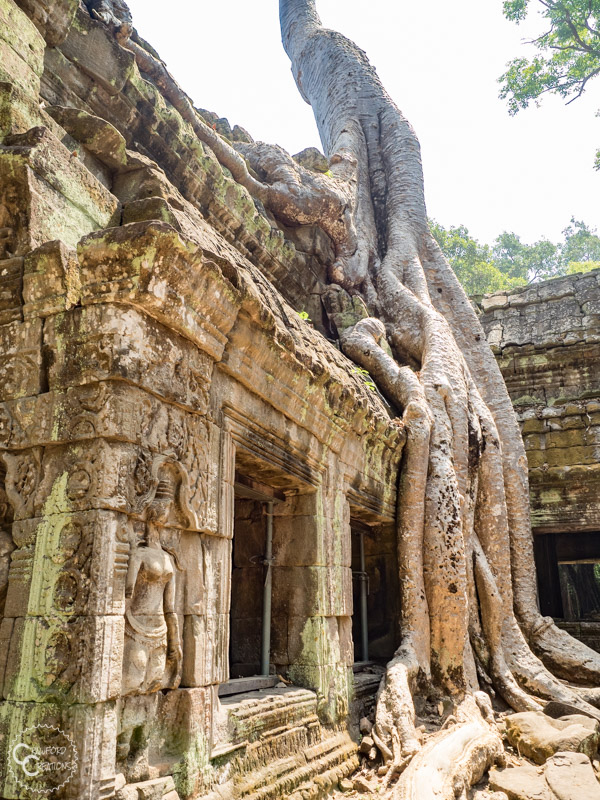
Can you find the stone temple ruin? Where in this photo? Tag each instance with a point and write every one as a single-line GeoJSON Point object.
{"type": "Point", "coordinates": [547, 340]}
{"type": "Point", "coordinates": [197, 554]}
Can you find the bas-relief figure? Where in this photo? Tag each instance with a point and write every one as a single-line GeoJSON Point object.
{"type": "Point", "coordinates": [152, 657]}
{"type": "Point", "coordinates": [152, 654]}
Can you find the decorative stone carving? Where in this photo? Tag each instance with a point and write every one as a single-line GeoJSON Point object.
{"type": "Point", "coordinates": [22, 478]}
{"type": "Point", "coordinates": [11, 222]}
{"type": "Point", "coordinates": [149, 474]}
{"type": "Point", "coordinates": [7, 546]}
{"type": "Point", "coordinates": [153, 654]}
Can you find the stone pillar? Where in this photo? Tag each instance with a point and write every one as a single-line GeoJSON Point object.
{"type": "Point", "coordinates": [312, 603]}
{"type": "Point", "coordinates": [108, 459]}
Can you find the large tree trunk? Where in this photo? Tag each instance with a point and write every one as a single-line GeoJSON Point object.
{"type": "Point", "coordinates": [469, 601]}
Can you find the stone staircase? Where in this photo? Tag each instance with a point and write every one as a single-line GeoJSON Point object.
{"type": "Point", "coordinates": [271, 744]}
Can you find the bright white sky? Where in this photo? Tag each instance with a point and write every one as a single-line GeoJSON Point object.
{"type": "Point", "coordinates": [440, 62]}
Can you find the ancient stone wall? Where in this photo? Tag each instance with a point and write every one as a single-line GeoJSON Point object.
{"type": "Point", "coordinates": [547, 340]}
{"type": "Point", "coordinates": [152, 362]}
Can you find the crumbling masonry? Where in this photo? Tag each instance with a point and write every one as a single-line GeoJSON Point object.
{"type": "Point", "coordinates": [176, 437]}
{"type": "Point", "coordinates": [159, 393]}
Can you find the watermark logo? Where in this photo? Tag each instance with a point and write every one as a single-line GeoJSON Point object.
{"type": "Point", "coordinates": [42, 759]}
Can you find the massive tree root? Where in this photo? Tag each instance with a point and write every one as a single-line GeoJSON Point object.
{"type": "Point", "coordinates": [465, 552]}
{"type": "Point", "coordinates": [469, 615]}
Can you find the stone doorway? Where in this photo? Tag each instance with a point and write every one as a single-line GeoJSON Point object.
{"type": "Point", "coordinates": [375, 592]}
{"type": "Point", "coordinates": [568, 567]}
{"type": "Point", "coordinates": [251, 578]}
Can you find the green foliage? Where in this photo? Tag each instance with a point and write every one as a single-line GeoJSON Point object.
{"type": "Point", "coordinates": [582, 244]}
{"type": "Point", "coordinates": [582, 266]}
{"type": "Point", "coordinates": [510, 262]}
{"type": "Point", "coordinates": [525, 262]}
{"type": "Point", "coordinates": [568, 53]}
{"type": "Point", "coordinates": [472, 262]}
{"type": "Point", "coordinates": [364, 374]}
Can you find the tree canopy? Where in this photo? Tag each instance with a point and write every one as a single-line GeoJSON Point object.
{"type": "Point", "coordinates": [510, 262]}
{"type": "Point", "coordinates": [568, 53]}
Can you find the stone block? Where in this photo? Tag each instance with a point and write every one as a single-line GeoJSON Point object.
{"type": "Point", "coordinates": [536, 458]}
{"type": "Point", "coordinates": [568, 456]}
{"type": "Point", "coordinates": [566, 438]}
{"type": "Point", "coordinates": [51, 280]}
{"type": "Point", "coordinates": [494, 301]}
{"type": "Point", "coordinates": [21, 359]}
{"type": "Point", "coordinates": [297, 505]}
{"type": "Point", "coordinates": [11, 283]}
{"type": "Point", "coordinates": [91, 46]}
{"type": "Point", "coordinates": [533, 426]}
{"type": "Point", "coordinates": [571, 776]}
{"type": "Point", "coordinates": [247, 592]}
{"type": "Point", "coordinates": [155, 789]}
{"type": "Point", "coordinates": [52, 18]}
{"type": "Point", "coordinates": [57, 196]}
{"type": "Point", "coordinates": [315, 641]}
{"type": "Point", "coordinates": [21, 49]}
{"type": "Point", "coordinates": [88, 475]}
{"type": "Point", "coordinates": [538, 736]}
{"type": "Point", "coordinates": [333, 685]}
{"type": "Point", "coordinates": [521, 783]}
{"type": "Point", "coordinates": [346, 641]}
{"type": "Point", "coordinates": [534, 441]}
{"type": "Point", "coordinates": [299, 540]}
{"type": "Point", "coordinates": [118, 411]}
{"type": "Point", "coordinates": [149, 208]}
{"type": "Point", "coordinates": [185, 717]}
{"type": "Point", "coordinates": [19, 111]}
{"type": "Point", "coordinates": [217, 572]}
{"type": "Point", "coordinates": [97, 135]}
{"type": "Point", "coordinates": [71, 564]}
{"type": "Point", "coordinates": [150, 265]}
{"type": "Point", "coordinates": [245, 635]}
{"type": "Point", "coordinates": [205, 650]}
{"type": "Point", "coordinates": [575, 422]}
{"type": "Point", "coordinates": [79, 660]}
{"type": "Point", "coordinates": [103, 342]}
{"type": "Point", "coordinates": [6, 629]}
{"type": "Point", "coordinates": [308, 591]}
{"type": "Point", "coordinates": [91, 728]}
{"type": "Point", "coordinates": [279, 642]}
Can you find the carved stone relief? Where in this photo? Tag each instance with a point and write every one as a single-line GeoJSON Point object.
{"type": "Point", "coordinates": [7, 544]}
{"type": "Point", "coordinates": [152, 657]}
{"type": "Point", "coordinates": [11, 219]}
{"type": "Point", "coordinates": [22, 479]}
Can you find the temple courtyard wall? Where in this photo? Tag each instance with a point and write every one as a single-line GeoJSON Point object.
{"type": "Point", "coordinates": [546, 337]}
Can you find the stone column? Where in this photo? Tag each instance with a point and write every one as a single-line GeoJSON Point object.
{"type": "Point", "coordinates": [312, 588]}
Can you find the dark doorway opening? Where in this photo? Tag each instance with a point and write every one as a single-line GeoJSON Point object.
{"type": "Point", "coordinates": [374, 592]}
{"type": "Point", "coordinates": [568, 568]}
{"type": "Point", "coordinates": [251, 576]}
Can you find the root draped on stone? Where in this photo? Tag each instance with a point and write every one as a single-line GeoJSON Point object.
{"type": "Point", "coordinates": [469, 614]}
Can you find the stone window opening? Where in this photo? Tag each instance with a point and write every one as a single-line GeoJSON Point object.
{"type": "Point", "coordinates": [569, 581]}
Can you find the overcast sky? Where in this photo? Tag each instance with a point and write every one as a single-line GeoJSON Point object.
{"type": "Point", "coordinates": [440, 62]}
